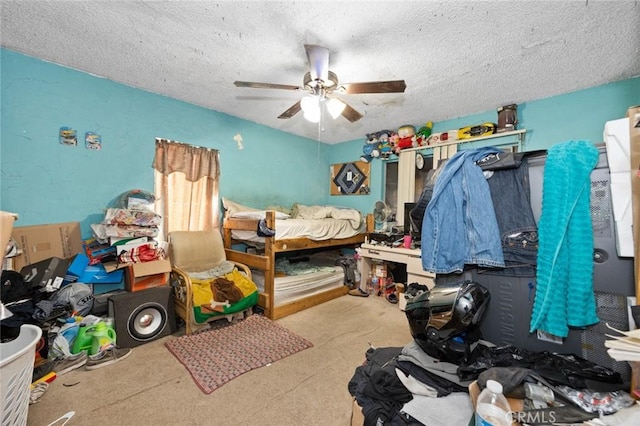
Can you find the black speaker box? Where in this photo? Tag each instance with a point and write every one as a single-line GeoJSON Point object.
{"type": "Point", "coordinates": [142, 316]}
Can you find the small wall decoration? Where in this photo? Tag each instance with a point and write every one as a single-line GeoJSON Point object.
{"type": "Point", "coordinates": [350, 178]}
{"type": "Point", "coordinates": [92, 140]}
{"type": "Point", "coordinates": [238, 139]}
{"type": "Point", "coordinates": [68, 136]}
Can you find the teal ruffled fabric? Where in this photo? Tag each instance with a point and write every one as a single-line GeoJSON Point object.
{"type": "Point", "coordinates": [564, 293]}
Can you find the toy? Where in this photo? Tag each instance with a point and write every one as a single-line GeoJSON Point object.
{"type": "Point", "coordinates": [379, 144]}
{"type": "Point", "coordinates": [406, 137]}
{"type": "Point", "coordinates": [483, 129]}
{"type": "Point", "coordinates": [438, 138]}
{"type": "Point", "coordinates": [371, 148]}
{"type": "Point", "coordinates": [423, 134]}
{"type": "Point", "coordinates": [385, 143]}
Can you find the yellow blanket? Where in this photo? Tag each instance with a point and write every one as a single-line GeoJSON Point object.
{"type": "Point", "coordinates": [203, 294]}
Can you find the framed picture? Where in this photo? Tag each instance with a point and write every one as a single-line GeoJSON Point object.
{"type": "Point", "coordinates": [350, 178]}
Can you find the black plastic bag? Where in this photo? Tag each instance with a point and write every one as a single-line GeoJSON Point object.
{"type": "Point", "coordinates": [559, 369]}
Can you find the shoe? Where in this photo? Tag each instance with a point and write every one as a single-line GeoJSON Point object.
{"type": "Point", "coordinates": [64, 365]}
{"type": "Point", "coordinates": [37, 391]}
{"type": "Point", "coordinates": [41, 370]}
{"type": "Point", "coordinates": [358, 292]}
{"type": "Point", "coordinates": [107, 357]}
{"type": "Point", "coordinates": [390, 292]}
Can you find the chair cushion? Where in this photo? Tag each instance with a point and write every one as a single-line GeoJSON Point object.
{"type": "Point", "coordinates": [196, 251]}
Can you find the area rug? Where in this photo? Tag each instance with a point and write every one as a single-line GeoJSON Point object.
{"type": "Point", "coordinates": [215, 357]}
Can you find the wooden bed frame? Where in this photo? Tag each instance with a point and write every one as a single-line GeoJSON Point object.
{"type": "Point", "coordinates": [267, 262]}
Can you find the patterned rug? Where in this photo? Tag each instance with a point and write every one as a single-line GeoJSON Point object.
{"type": "Point", "coordinates": [215, 357]}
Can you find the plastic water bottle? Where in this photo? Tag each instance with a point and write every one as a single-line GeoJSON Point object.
{"type": "Point", "coordinates": [370, 283]}
{"type": "Point", "coordinates": [492, 408]}
{"type": "Point", "coordinates": [375, 285]}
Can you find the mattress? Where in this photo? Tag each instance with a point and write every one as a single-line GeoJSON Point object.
{"type": "Point", "coordinates": [314, 229]}
{"type": "Point", "coordinates": [293, 287]}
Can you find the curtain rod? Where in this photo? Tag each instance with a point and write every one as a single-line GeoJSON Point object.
{"type": "Point", "coordinates": [184, 143]}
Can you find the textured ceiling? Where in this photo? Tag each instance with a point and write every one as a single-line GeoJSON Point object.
{"type": "Point", "coordinates": [457, 57]}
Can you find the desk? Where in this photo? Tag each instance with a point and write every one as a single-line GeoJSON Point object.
{"type": "Point", "coordinates": [409, 257]}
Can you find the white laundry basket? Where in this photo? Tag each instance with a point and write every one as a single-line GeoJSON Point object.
{"type": "Point", "coordinates": [16, 373]}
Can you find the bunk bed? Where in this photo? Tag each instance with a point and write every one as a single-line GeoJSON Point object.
{"type": "Point", "coordinates": [243, 229]}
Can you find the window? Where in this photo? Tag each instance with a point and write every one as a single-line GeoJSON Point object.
{"type": "Point", "coordinates": [186, 186]}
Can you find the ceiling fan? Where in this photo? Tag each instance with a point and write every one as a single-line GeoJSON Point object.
{"type": "Point", "coordinates": [323, 87]}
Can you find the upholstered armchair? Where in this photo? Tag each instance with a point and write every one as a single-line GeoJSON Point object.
{"type": "Point", "coordinates": [192, 254]}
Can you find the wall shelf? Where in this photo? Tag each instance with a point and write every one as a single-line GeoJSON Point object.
{"type": "Point", "coordinates": [515, 137]}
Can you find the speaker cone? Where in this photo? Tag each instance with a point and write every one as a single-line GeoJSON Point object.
{"type": "Point", "coordinates": [147, 321]}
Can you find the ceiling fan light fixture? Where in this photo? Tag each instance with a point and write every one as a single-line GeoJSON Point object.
{"type": "Point", "coordinates": [320, 84]}
{"type": "Point", "coordinates": [311, 107]}
{"type": "Point", "coordinates": [335, 107]}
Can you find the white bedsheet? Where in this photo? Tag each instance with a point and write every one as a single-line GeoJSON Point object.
{"type": "Point", "coordinates": [314, 229]}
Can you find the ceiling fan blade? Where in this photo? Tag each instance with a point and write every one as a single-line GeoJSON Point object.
{"type": "Point", "coordinates": [318, 58]}
{"type": "Point", "coordinates": [349, 113]}
{"type": "Point", "coordinates": [392, 86]}
{"type": "Point", "coordinates": [265, 85]}
{"type": "Point", "coordinates": [293, 110]}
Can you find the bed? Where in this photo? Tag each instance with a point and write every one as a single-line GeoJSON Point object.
{"type": "Point", "coordinates": [304, 231]}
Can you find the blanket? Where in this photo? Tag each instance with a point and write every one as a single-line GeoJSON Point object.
{"type": "Point", "coordinates": [300, 211]}
{"type": "Point", "coordinates": [231, 293]}
{"type": "Point", "coordinates": [564, 293]}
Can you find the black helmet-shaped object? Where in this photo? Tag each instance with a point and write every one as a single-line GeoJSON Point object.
{"type": "Point", "coordinates": [444, 320]}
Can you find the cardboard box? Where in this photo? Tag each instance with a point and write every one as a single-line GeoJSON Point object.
{"type": "Point", "coordinates": [46, 275]}
{"type": "Point", "coordinates": [41, 242]}
{"type": "Point", "coordinates": [140, 276]}
{"type": "Point", "coordinates": [128, 244]}
{"type": "Point", "coordinates": [379, 269]}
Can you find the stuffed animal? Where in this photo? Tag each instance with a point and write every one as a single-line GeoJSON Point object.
{"type": "Point", "coordinates": [371, 148]}
{"type": "Point", "coordinates": [422, 135]}
{"type": "Point", "coordinates": [385, 143]}
{"type": "Point", "coordinates": [406, 137]}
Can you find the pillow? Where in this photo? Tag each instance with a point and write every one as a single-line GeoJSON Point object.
{"type": "Point", "coordinates": [257, 214]}
{"type": "Point", "coordinates": [233, 207]}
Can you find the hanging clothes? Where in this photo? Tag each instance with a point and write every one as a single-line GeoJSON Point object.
{"type": "Point", "coordinates": [510, 193]}
{"type": "Point", "coordinates": [564, 293]}
{"type": "Point", "coordinates": [459, 225]}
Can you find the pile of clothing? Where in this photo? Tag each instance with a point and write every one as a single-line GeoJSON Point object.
{"type": "Point", "coordinates": [407, 386]}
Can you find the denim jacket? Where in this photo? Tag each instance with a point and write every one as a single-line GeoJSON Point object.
{"type": "Point", "coordinates": [460, 225]}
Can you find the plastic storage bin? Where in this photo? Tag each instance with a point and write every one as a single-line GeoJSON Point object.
{"type": "Point", "coordinates": [16, 373]}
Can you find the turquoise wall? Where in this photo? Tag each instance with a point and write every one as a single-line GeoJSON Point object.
{"type": "Point", "coordinates": [46, 182]}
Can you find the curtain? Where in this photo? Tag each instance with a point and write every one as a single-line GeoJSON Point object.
{"type": "Point", "coordinates": [186, 186]}
{"type": "Point", "coordinates": [406, 182]}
